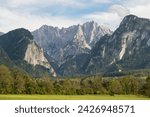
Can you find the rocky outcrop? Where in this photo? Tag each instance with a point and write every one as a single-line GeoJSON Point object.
{"type": "Point", "coordinates": [20, 46]}
{"type": "Point", "coordinates": [77, 39]}
{"type": "Point", "coordinates": [128, 48]}
{"type": "Point", "coordinates": [35, 56]}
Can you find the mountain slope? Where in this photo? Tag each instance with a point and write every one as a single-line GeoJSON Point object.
{"type": "Point", "coordinates": [4, 59]}
{"type": "Point", "coordinates": [15, 43]}
{"type": "Point", "coordinates": [73, 65]}
{"type": "Point", "coordinates": [77, 39]}
{"type": "Point", "coordinates": [21, 48]}
{"type": "Point", "coordinates": [128, 48]}
{"type": "Point", "coordinates": [1, 33]}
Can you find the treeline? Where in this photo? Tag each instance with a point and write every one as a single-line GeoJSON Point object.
{"type": "Point", "coordinates": [15, 81]}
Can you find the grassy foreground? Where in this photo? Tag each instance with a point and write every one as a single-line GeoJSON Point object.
{"type": "Point", "coordinates": [72, 97]}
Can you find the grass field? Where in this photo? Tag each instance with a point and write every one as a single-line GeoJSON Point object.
{"type": "Point", "coordinates": [72, 97]}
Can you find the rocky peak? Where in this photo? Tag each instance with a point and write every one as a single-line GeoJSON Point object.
{"type": "Point", "coordinates": [129, 18]}
{"type": "Point", "coordinates": [91, 24]}
{"type": "Point", "coordinates": [17, 40]}
{"type": "Point", "coordinates": [131, 34]}
{"type": "Point", "coordinates": [76, 39]}
{"type": "Point", "coordinates": [20, 33]}
{"type": "Point", "coordinates": [93, 32]}
{"type": "Point", "coordinates": [124, 48]}
{"type": "Point", "coordinates": [132, 22]}
{"type": "Point", "coordinates": [20, 46]}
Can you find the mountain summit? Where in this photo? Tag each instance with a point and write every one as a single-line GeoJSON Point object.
{"type": "Point", "coordinates": [23, 51]}
{"type": "Point", "coordinates": [128, 48]}
{"type": "Point", "coordinates": [86, 49]}
{"type": "Point", "coordinates": [77, 39]}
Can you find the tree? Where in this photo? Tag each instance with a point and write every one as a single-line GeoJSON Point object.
{"type": "Point", "coordinates": [114, 87]}
{"type": "Point", "coordinates": [57, 87]}
{"type": "Point", "coordinates": [130, 85]}
{"type": "Point", "coordinates": [19, 82]}
{"type": "Point", "coordinates": [97, 86]}
{"type": "Point", "coordinates": [6, 80]}
{"type": "Point", "coordinates": [86, 87]}
{"type": "Point", "coordinates": [30, 85]}
{"type": "Point", "coordinates": [135, 85]}
{"type": "Point", "coordinates": [67, 87]}
{"type": "Point", "coordinates": [146, 87]}
{"type": "Point", "coordinates": [45, 86]}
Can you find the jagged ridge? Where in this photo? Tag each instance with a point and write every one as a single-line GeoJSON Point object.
{"type": "Point", "coordinates": [128, 48]}
{"type": "Point", "coordinates": [77, 39]}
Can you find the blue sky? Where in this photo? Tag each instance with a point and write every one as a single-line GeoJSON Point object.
{"type": "Point", "coordinates": [32, 14]}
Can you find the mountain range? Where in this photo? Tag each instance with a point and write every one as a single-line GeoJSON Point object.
{"type": "Point", "coordinates": [128, 48]}
{"type": "Point", "coordinates": [86, 49]}
{"type": "Point", "coordinates": [74, 40]}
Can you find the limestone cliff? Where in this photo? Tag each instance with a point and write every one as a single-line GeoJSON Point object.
{"type": "Point", "coordinates": [21, 49]}
{"type": "Point", "coordinates": [35, 56]}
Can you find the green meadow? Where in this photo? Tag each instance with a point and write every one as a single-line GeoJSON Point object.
{"type": "Point", "coordinates": [72, 97]}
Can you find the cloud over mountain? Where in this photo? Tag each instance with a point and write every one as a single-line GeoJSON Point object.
{"type": "Point", "coordinates": [32, 14]}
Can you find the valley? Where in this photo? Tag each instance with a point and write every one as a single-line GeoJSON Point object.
{"type": "Point", "coordinates": [84, 59]}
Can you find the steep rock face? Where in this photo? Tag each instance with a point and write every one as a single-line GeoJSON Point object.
{"type": "Point", "coordinates": [20, 47]}
{"type": "Point", "coordinates": [93, 32]}
{"type": "Point", "coordinates": [78, 45]}
{"type": "Point", "coordinates": [35, 56]}
{"type": "Point", "coordinates": [77, 39]}
{"type": "Point", "coordinates": [127, 48]}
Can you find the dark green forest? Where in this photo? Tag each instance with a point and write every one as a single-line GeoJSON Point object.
{"type": "Point", "coordinates": [15, 81]}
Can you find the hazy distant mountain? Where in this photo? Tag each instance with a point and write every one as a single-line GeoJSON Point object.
{"type": "Point", "coordinates": [77, 39]}
{"type": "Point", "coordinates": [127, 48]}
{"type": "Point", "coordinates": [23, 51]}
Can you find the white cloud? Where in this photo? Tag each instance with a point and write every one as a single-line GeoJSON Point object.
{"type": "Point", "coordinates": [120, 10]}
{"type": "Point", "coordinates": [133, 3]}
{"type": "Point", "coordinates": [17, 13]}
{"type": "Point", "coordinates": [10, 20]}
{"type": "Point", "coordinates": [69, 3]}
{"type": "Point", "coordinates": [140, 8]}
{"type": "Point", "coordinates": [109, 19]}
{"type": "Point", "coordinates": [115, 13]}
{"type": "Point", "coordinates": [102, 1]}
{"type": "Point", "coordinates": [141, 11]}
